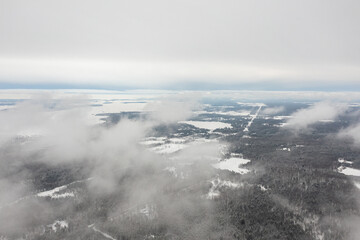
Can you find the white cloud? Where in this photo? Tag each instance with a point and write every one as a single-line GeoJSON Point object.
{"type": "Point", "coordinates": [303, 118]}
{"type": "Point", "coordinates": [170, 73]}
{"type": "Point", "coordinates": [353, 132]}
{"type": "Point", "coordinates": [155, 44]}
{"type": "Point", "coordinates": [273, 110]}
{"type": "Point", "coordinates": [172, 109]}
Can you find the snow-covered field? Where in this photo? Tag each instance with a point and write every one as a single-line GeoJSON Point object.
{"type": "Point", "coordinates": [349, 171]}
{"type": "Point", "coordinates": [218, 183]}
{"type": "Point", "coordinates": [208, 125]}
{"type": "Point", "coordinates": [357, 184]}
{"type": "Point", "coordinates": [342, 160]}
{"type": "Point", "coordinates": [168, 148]}
{"type": "Point", "coordinates": [58, 225]}
{"type": "Point", "coordinates": [226, 113]}
{"type": "Point", "coordinates": [54, 193]}
{"type": "Point", "coordinates": [233, 164]}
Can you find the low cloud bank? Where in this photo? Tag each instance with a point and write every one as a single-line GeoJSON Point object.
{"type": "Point", "coordinates": [273, 110]}
{"type": "Point", "coordinates": [304, 118]}
{"type": "Point", "coordinates": [52, 132]}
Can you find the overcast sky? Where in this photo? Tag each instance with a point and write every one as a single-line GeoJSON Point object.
{"type": "Point", "coordinates": [205, 44]}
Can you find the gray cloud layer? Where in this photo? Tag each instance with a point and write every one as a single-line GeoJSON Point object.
{"type": "Point", "coordinates": [82, 42]}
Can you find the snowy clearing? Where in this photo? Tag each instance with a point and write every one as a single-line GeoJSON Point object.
{"type": "Point", "coordinates": [227, 113]}
{"type": "Point", "coordinates": [232, 164]}
{"type": "Point", "coordinates": [208, 125]}
{"type": "Point", "coordinates": [349, 171]}
{"type": "Point", "coordinates": [342, 160]}
{"type": "Point", "coordinates": [168, 148]}
{"type": "Point", "coordinates": [217, 183]}
{"type": "Point", "coordinates": [357, 184]}
{"type": "Point", "coordinates": [58, 225]}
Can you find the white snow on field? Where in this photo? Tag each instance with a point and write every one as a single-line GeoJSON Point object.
{"type": "Point", "coordinates": [349, 171]}
{"type": "Point", "coordinates": [148, 211]}
{"type": "Point", "coordinates": [172, 145]}
{"type": "Point", "coordinates": [281, 117]}
{"type": "Point", "coordinates": [115, 107]}
{"type": "Point", "coordinates": [252, 104]}
{"type": "Point", "coordinates": [281, 125]}
{"type": "Point", "coordinates": [63, 195]}
{"type": "Point", "coordinates": [212, 194]}
{"type": "Point", "coordinates": [252, 118]}
{"type": "Point", "coordinates": [217, 183]}
{"type": "Point", "coordinates": [357, 184]}
{"type": "Point", "coordinates": [232, 164]}
{"type": "Point", "coordinates": [150, 236]}
{"type": "Point", "coordinates": [54, 193]}
{"type": "Point", "coordinates": [168, 148]}
{"type": "Point", "coordinates": [262, 188]}
{"type": "Point", "coordinates": [6, 107]}
{"type": "Point", "coordinates": [177, 140]}
{"type": "Point", "coordinates": [227, 113]}
{"type": "Point", "coordinates": [208, 125]}
{"type": "Point", "coordinates": [342, 160]}
{"type": "Point", "coordinates": [354, 105]}
{"type": "Point", "coordinates": [153, 140]}
{"type": "Point", "coordinates": [51, 193]}
{"type": "Point", "coordinates": [58, 225]}
{"type": "Point", "coordinates": [92, 226]}
{"type": "Point", "coordinates": [285, 149]}
{"type": "Point", "coordinates": [174, 172]}
{"type": "Point", "coordinates": [326, 121]}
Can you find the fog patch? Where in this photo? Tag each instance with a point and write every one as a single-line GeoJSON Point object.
{"type": "Point", "coordinates": [273, 110]}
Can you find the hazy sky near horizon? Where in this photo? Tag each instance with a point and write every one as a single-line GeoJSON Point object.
{"type": "Point", "coordinates": [278, 44]}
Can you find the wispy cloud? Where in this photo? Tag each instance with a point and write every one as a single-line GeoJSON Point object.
{"type": "Point", "coordinates": [273, 110]}
{"type": "Point", "coordinates": [304, 118]}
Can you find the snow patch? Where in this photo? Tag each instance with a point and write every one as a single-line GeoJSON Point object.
{"type": "Point", "coordinates": [58, 225]}
{"type": "Point", "coordinates": [51, 192]}
{"type": "Point", "coordinates": [349, 171]}
{"type": "Point", "coordinates": [232, 164]}
{"type": "Point", "coordinates": [148, 211]}
{"type": "Point", "coordinates": [227, 113]}
{"type": "Point", "coordinates": [262, 188]}
{"type": "Point", "coordinates": [342, 160]}
{"type": "Point", "coordinates": [281, 117]}
{"type": "Point", "coordinates": [168, 148]}
{"type": "Point", "coordinates": [252, 104]}
{"type": "Point", "coordinates": [285, 149]}
{"type": "Point", "coordinates": [208, 125]}
{"type": "Point", "coordinates": [357, 184]}
{"type": "Point", "coordinates": [218, 183]}
{"type": "Point", "coordinates": [326, 121]}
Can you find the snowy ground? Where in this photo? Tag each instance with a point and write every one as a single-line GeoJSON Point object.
{"type": "Point", "coordinates": [233, 164]}
{"type": "Point", "coordinates": [349, 171]}
{"type": "Point", "coordinates": [209, 125]}
{"type": "Point", "coordinates": [58, 225]}
{"type": "Point", "coordinates": [218, 183]}
{"type": "Point", "coordinates": [253, 118]}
